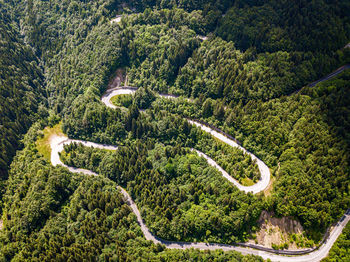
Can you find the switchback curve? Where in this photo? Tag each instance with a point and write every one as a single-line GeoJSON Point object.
{"type": "Point", "coordinates": [260, 186]}
{"type": "Point", "coordinates": [315, 254]}
{"type": "Point", "coordinates": [57, 145]}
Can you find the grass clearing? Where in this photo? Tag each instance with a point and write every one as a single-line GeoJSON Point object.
{"type": "Point", "coordinates": [43, 143]}
{"type": "Point", "coordinates": [268, 190]}
{"type": "Point", "coordinates": [247, 182]}
{"type": "Point", "coordinates": [124, 100]}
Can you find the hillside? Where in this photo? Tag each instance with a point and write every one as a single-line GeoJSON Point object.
{"type": "Point", "coordinates": [214, 122]}
{"type": "Point", "coordinates": [21, 91]}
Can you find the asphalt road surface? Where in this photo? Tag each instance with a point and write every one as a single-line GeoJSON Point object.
{"type": "Point", "coordinates": [57, 145]}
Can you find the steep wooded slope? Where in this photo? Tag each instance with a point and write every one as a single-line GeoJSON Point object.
{"type": "Point", "coordinates": [21, 91]}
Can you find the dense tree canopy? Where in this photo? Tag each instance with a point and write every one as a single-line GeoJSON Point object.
{"type": "Point", "coordinates": [307, 135]}
{"type": "Point", "coordinates": [21, 91]}
{"type": "Point", "coordinates": [248, 77]}
{"type": "Point", "coordinates": [341, 249]}
{"type": "Point", "coordinates": [286, 25]}
{"type": "Point", "coordinates": [54, 215]}
{"type": "Point", "coordinates": [181, 197]}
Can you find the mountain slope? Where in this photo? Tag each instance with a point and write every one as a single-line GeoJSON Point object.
{"type": "Point", "coordinates": [21, 91]}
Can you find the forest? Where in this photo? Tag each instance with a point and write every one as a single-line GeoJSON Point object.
{"type": "Point", "coordinates": [340, 250]}
{"type": "Point", "coordinates": [181, 198]}
{"type": "Point", "coordinates": [52, 215]}
{"type": "Point", "coordinates": [249, 78]}
{"type": "Point", "coordinates": [22, 95]}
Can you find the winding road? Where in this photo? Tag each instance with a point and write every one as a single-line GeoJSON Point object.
{"type": "Point", "coordinates": [316, 254]}
{"type": "Point", "coordinates": [57, 144]}
{"type": "Point", "coordinates": [261, 185]}
{"type": "Point", "coordinates": [331, 75]}
{"type": "Point", "coordinates": [325, 78]}
{"type": "Point", "coordinates": [117, 19]}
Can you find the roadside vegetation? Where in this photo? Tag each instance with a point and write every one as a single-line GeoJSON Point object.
{"type": "Point", "coordinates": [21, 92]}
{"type": "Point", "coordinates": [43, 142]}
{"type": "Point", "coordinates": [340, 251]}
{"type": "Point", "coordinates": [56, 60]}
{"type": "Point", "coordinates": [122, 100]}
{"type": "Point", "coordinates": [182, 198]}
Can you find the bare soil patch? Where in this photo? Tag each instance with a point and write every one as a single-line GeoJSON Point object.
{"type": "Point", "coordinates": [119, 78]}
{"type": "Point", "coordinates": [282, 233]}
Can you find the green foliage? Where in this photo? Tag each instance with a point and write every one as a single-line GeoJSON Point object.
{"type": "Point", "coordinates": [156, 53]}
{"type": "Point", "coordinates": [233, 160]}
{"type": "Point", "coordinates": [48, 25]}
{"type": "Point", "coordinates": [286, 25]}
{"type": "Point", "coordinates": [35, 192]}
{"type": "Point", "coordinates": [90, 120]}
{"type": "Point", "coordinates": [303, 136]}
{"type": "Point", "coordinates": [314, 156]}
{"type": "Point", "coordinates": [308, 135]}
{"type": "Point", "coordinates": [181, 197]}
{"type": "Point", "coordinates": [20, 90]}
{"type": "Point", "coordinates": [270, 49]}
{"type": "Point", "coordinates": [218, 70]}
{"type": "Point", "coordinates": [83, 68]}
{"type": "Point", "coordinates": [340, 251]}
{"type": "Point", "coordinates": [143, 98]}
{"type": "Point", "coordinates": [51, 214]}
{"type": "Point", "coordinates": [122, 100]}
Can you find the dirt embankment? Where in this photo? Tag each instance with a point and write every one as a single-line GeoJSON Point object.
{"type": "Point", "coordinates": [279, 231]}
{"type": "Point", "coordinates": [118, 79]}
